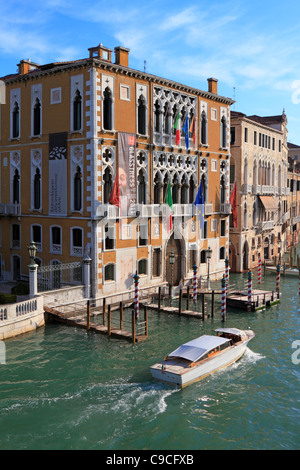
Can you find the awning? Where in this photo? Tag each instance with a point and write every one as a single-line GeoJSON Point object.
{"type": "Point", "coordinates": [269, 203]}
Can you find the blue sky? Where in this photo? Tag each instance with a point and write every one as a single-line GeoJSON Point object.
{"type": "Point", "coordinates": [252, 48]}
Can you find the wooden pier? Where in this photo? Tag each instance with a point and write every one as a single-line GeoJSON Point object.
{"type": "Point", "coordinates": [135, 330]}
{"type": "Point", "coordinates": [260, 299]}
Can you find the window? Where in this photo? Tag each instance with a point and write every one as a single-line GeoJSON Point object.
{"type": "Point", "coordinates": [279, 145]}
{"type": "Point", "coordinates": [125, 92]}
{"type": "Point", "coordinates": [109, 272]}
{"type": "Point", "coordinates": [203, 256]}
{"type": "Point", "coordinates": [232, 135]}
{"type": "Point", "coordinates": [214, 225]}
{"type": "Point", "coordinates": [156, 262]}
{"type": "Point", "coordinates": [37, 117]}
{"type": "Point", "coordinates": [222, 252]}
{"type": "Point", "coordinates": [107, 109]}
{"type": "Point", "coordinates": [255, 137]}
{"type": "Point", "coordinates": [142, 266]}
{"type": "Point", "coordinates": [143, 235]}
{"type": "Point", "coordinates": [37, 190]}
{"type": "Point", "coordinates": [141, 116]}
{"type": "Point", "coordinates": [141, 188]}
{"type": "Point", "coordinates": [55, 239]}
{"type": "Point", "coordinates": [246, 134]}
{"type": "Point", "coordinates": [109, 237]}
{"type": "Point", "coordinates": [16, 121]}
{"type": "Point", "coordinates": [77, 242]}
{"type": "Point", "coordinates": [223, 132]}
{"type": "Point", "coordinates": [108, 184]}
{"type": "Point", "coordinates": [203, 128]}
{"type": "Point", "coordinates": [16, 236]}
{"type": "Point", "coordinates": [223, 228]}
{"type": "Point", "coordinates": [77, 190]}
{"type": "Point", "coordinates": [157, 116]}
{"type": "Point", "coordinates": [77, 111]}
{"type": "Point", "coordinates": [36, 236]}
{"type": "Point", "coordinates": [16, 187]}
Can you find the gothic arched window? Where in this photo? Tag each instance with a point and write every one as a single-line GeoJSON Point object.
{"type": "Point", "coordinates": [107, 185]}
{"type": "Point", "coordinates": [37, 190]}
{"type": "Point", "coordinates": [16, 121]}
{"type": "Point", "coordinates": [16, 188]}
{"type": "Point", "coordinates": [107, 109]}
{"type": "Point", "coordinates": [77, 111]}
{"type": "Point", "coordinates": [223, 132]}
{"type": "Point", "coordinates": [141, 188]}
{"type": "Point", "coordinates": [37, 117]}
{"type": "Point", "coordinates": [203, 128]}
{"type": "Point", "coordinates": [77, 190]}
{"type": "Point", "coordinates": [141, 116]}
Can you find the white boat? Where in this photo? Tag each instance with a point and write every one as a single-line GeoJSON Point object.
{"type": "Point", "coordinates": [200, 357]}
{"type": "Point", "coordinates": [284, 271]}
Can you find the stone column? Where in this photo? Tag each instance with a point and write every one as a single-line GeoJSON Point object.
{"type": "Point", "coordinates": [33, 292]}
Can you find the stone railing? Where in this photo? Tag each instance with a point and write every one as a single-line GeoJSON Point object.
{"type": "Point", "coordinates": [19, 309]}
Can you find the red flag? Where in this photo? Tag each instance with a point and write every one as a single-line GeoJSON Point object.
{"type": "Point", "coordinates": [114, 198]}
{"type": "Point", "coordinates": [234, 205]}
{"type": "Point", "coordinates": [192, 129]}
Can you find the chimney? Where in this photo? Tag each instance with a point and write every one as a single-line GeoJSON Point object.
{"type": "Point", "coordinates": [122, 56]}
{"type": "Point", "coordinates": [100, 52]}
{"type": "Point", "coordinates": [213, 85]}
{"type": "Point", "coordinates": [26, 66]}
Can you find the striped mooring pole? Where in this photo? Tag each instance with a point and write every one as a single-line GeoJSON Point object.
{"type": "Point", "coordinates": [223, 308]}
{"type": "Point", "coordinates": [249, 290]}
{"type": "Point", "coordinates": [195, 283]}
{"type": "Point", "coordinates": [277, 279]}
{"type": "Point", "coordinates": [227, 273]}
{"type": "Point", "coordinates": [136, 294]}
{"type": "Point", "coordinates": [259, 270]}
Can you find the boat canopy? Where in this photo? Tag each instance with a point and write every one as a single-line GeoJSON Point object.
{"type": "Point", "coordinates": [195, 349]}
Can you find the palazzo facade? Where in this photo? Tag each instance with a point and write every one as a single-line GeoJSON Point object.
{"type": "Point", "coordinates": [259, 166]}
{"type": "Point", "coordinates": [61, 127]}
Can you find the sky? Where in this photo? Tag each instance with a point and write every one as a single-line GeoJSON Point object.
{"type": "Point", "coordinates": [252, 48]}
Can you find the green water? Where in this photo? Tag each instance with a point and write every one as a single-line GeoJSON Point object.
{"type": "Point", "coordinates": [64, 388]}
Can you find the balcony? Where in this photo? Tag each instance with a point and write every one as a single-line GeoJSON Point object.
{"type": "Point", "coordinates": [208, 209]}
{"type": "Point", "coordinates": [225, 208]}
{"type": "Point", "coordinates": [266, 225]}
{"type": "Point", "coordinates": [10, 209]}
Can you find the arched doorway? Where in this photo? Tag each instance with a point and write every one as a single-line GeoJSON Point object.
{"type": "Point", "coordinates": [174, 245]}
{"type": "Point", "coordinates": [245, 256]}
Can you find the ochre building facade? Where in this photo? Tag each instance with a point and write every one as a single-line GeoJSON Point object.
{"type": "Point", "coordinates": [60, 138]}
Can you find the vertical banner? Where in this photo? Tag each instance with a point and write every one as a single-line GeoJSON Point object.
{"type": "Point", "coordinates": [127, 173]}
{"type": "Point", "coordinates": [58, 174]}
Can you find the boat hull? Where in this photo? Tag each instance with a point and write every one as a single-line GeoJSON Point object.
{"type": "Point", "coordinates": [193, 374]}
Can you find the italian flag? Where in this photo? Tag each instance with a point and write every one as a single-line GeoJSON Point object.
{"type": "Point", "coordinates": [169, 203]}
{"type": "Point", "coordinates": [177, 128]}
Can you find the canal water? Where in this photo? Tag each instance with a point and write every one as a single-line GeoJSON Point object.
{"type": "Point", "coordinates": [64, 388]}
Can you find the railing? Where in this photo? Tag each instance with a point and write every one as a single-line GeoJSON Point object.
{"type": "Point", "coordinates": [10, 209]}
{"type": "Point", "coordinates": [19, 309]}
{"type": "Point", "coordinates": [225, 208]}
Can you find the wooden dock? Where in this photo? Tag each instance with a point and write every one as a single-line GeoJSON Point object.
{"type": "Point", "coordinates": [260, 299]}
{"type": "Point", "coordinates": [138, 331]}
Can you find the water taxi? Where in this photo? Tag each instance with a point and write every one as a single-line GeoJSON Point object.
{"type": "Point", "coordinates": [200, 357]}
{"type": "Point", "coordinates": [283, 270]}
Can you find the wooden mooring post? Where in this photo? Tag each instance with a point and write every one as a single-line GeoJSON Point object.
{"type": "Point", "coordinates": [109, 321]}
{"type": "Point", "coordinates": [146, 320]}
{"type": "Point", "coordinates": [88, 315]}
{"type": "Point", "coordinates": [188, 297]}
{"type": "Point", "coordinates": [203, 306]}
{"type": "Point", "coordinates": [104, 311]}
{"type": "Point", "coordinates": [212, 303]}
{"type": "Point", "coordinates": [121, 315]}
{"type": "Point", "coordinates": [159, 298]}
{"type": "Point", "coordinates": [180, 301]}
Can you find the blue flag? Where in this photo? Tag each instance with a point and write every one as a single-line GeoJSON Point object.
{"type": "Point", "coordinates": [199, 203]}
{"type": "Point", "coordinates": [186, 132]}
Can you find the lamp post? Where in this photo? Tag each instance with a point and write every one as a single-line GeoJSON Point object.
{"type": "Point", "coordinates": [171, 261]}
{"type": "Point", "coordinates": [32, 270]}
{"type": "Point", "coordinates": [208, 257]}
